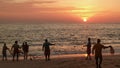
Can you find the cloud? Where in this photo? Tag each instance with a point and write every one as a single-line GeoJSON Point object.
{"type": "Point", "coordinates": [33, 5]}
{"type": "Point", "coordinates": [29, 1]}
{"type": "Point", "coordinates": [36, 7]}
{"type": "Point", "coordinates": [24, 5]}
{"type": "Point", "coordinates": [14, 1]}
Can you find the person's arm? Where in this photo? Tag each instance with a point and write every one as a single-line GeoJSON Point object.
{"type": "Point", "coordinates": [18, 47]}
{"type": "Point", "coordinates": [105, 46]}
{"type": "Point", "coordinates": [12, 47]}
{"type": "Point", "coordinates": [51, 44]}
{"type": "Point", "coordinates": [6, 47]}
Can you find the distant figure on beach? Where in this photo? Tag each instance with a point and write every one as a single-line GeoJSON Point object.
{"type": "Point", "coordinates": [88, 49]}
{"type": "Point", "coordinates": [4, 53]}
{"type": "Point", "coordinates": [25, 48]}
{"type": "Point", "coordinates": [46, 49]}
{"type": "Point", "coordinates": [98, 52]}
{"type": "Point", "coordinates": [15, 49]}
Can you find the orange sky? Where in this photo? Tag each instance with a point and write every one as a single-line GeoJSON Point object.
{"type": "Point", "coordinates": [63, 11]}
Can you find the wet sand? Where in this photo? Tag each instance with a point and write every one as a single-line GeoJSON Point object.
{"type": "Point", "coordinates": [63, 61]}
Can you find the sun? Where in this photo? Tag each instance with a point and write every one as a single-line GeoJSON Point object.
{"type": "Point", "coordinates": [85, 19]}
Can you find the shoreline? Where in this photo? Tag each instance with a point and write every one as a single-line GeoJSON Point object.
{"type": "Point", "coordinates": [63, 61]}
{"type": "Point", "coordinates": [39, 57]}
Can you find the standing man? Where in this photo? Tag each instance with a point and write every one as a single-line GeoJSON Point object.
{"type": "Point", "coordinates": [46, 49]}
{"type": "Point", "coordinates": [15, 49]}
{"type": "Point", "coordinates": [25, 48]}
{"type": "Point", "coordinates": [98, 52]}
{"type": "Point", "coordinates": [5, 48]}
{"type": "Point", "coordinates": [88, 49]}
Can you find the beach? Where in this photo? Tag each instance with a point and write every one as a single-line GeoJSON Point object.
{"type": "Point", "coordinates": [63, 61]}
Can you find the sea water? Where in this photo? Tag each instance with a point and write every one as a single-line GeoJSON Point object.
{"type": "Point", "coordinates": [68, 38]}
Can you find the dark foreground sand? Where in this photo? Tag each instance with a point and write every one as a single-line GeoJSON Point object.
{"type": "Point", "coordinates": [63, 61]}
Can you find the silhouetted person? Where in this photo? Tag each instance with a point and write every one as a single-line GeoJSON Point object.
{"type": "Point", "coordinates": [46, 49]}
{"type": "Point", "coordinates": [88, 49]}
{"type": "Point", "coordinates": [98, 52]}
{"type": "Point", "coordinates": [15, 49]}
{"type": "Point", "coordinates": [5, 48]}
{"type": "Point", "coordinates": [25, 48]}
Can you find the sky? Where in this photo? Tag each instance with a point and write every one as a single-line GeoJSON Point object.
{"type": "Point", "coordinates": [59, 11]}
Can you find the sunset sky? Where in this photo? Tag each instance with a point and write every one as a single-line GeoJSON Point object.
{"type": "Point", "coordinates": [62, 11]}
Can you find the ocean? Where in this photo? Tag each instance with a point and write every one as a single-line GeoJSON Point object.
{"type": "Point", "coordinates": [68, 38]}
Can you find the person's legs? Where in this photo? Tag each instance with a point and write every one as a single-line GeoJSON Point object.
{"type": "Point", "coordinates": [96, 58]}
{"type": "Point", "coordinates": [100, 61]}
{"type": "Point", "coordinates": [45, 54]}
{"type": "Point", "coordinates": [26, 55]}
{"type": "Point", "coordinates": [17, 55]}
{"type": "Point", "coordinates": [46, 57]}
{"type": "Point", "coordinates": [49, 55]}
{"type": "Point", "coordinates": [89, 56]}
{"type": "Point", "coordinates": [5, 56]}
{"type": "Point", "coordinates": [13, 55]}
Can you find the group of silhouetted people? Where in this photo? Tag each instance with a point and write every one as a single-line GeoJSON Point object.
{"type": "Point", "coordinates": [16, 50]}
{"type": "Point", "coordinates": [97, 48]}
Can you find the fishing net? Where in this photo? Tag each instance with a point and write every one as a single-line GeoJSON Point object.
{"type": "Point", "coordinates": [112, 51]}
